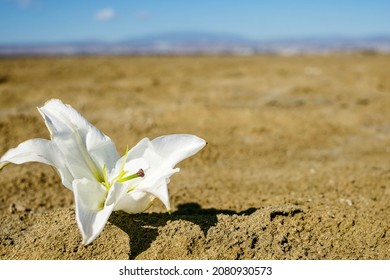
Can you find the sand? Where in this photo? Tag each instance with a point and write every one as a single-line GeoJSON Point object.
{"type": "Point", "coordinates": [297, 164]}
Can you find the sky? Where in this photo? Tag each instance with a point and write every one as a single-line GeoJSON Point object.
{"type": "Point", "coordinates": [46, 21]}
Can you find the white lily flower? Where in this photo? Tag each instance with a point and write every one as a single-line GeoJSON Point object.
{"type": "Point", "coordinates": [89, 165]}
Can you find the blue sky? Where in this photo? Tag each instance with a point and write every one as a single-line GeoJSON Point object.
{"type": "Point", "coordinates": [33, 21]}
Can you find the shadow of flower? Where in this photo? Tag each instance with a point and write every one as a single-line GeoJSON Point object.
{"type": "Point", "coordinates": [143, 228]}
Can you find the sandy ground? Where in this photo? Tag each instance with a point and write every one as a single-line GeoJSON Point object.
{"type": "Point", "coordinates": [297, 165]}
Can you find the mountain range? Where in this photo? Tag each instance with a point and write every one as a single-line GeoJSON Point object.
{"type": "Point", "coordinates": [202, 43]}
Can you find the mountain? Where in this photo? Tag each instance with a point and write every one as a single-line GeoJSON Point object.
{"type": "Point", "coordinates": [189, 37]}
{"type": "Point", "coordinates": [202, 43]}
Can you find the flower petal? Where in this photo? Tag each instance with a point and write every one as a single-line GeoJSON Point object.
{"type": "Point", "coordinates": [86, 148]}
{"type": "Point", "coordinates": [38, 150]}
{"type": "Point", "coordinates": [161, 192]}
{"type": "Point", "coordinates": [139, 149]}
{"type": "Point", "coordinates": [156, 182]}
{"type": "Point", "coordinates": [91, 211]}
{"type": "Point", "coordinates": [177, 147]}
{"type": "Point", "coordinates": [162, 154]}
{"type": "Point", "coordinates": [101, 149]}
{"type": "Point", "coordinates": [134, 202]}
{"type": "Point", "coordinates": [168, 150]}
{"type": "Point", "coordinates": [61, 118]}
{"type": "Point", "coordinates": [172, 148]}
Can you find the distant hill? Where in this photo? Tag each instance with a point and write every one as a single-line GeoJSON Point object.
{"type": "Point", "coordinates": [202, 43]}
{"type": "Point", "coordinates": [190, 37]}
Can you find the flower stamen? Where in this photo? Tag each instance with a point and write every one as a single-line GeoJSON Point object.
{"type": "Point", "coordinates": [140, 173]}
{"type": "Point", "coordinates": [105, 181]}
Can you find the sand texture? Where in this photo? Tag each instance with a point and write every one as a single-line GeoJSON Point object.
{"type": "Point", "coordinates": [297, 164]}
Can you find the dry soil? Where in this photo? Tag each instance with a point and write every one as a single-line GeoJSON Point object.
{"type": "Point", "coordinates": [297, 164]}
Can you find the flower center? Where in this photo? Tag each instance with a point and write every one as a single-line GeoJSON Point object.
{"type": "Point", "coordinates": [121, 178]}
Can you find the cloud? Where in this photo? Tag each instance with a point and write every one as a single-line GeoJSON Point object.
{"type": "Point", "coordinates": [105, 14]}
{"type": "Point", "coordinates": [23, 3]}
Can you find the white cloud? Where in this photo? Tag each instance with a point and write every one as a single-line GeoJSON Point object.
{"type": "Point", "coordinates": [105, 14]}
{"type": "Point", "coordinates": [25, 3]}
{"type": "Point", "coordinates": [22, 3]}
